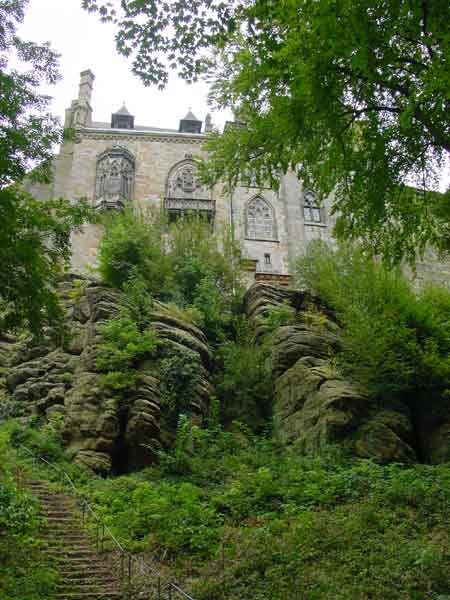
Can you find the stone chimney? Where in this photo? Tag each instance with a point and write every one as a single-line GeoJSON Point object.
{"type": "Point", "coordinates": [85, 90]}
{"type": "Point", "coordinates": [80, 112]}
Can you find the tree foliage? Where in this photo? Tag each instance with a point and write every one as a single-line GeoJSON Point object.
{"type": "Point", "coordinates": [351, 95]}
{"type": "Point", "coordinates": [34, 236]}
{"type": "Point", "coordinates": [184, 262]}
{"type": "Point", "coordinates": [28, 131]}
{"type": "Point", "coordinates": [34, 247]}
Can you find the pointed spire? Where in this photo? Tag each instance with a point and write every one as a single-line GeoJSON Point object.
{"type": "Point", "coordinates": [123, 110]}
{"type": "Point", "coordinates": [190, 116]}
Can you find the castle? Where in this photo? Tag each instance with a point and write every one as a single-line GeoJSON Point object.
{"type": "Point", "coordinates": [116, 163]}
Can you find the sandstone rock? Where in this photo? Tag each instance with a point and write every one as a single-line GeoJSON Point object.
{"type": "Point", "coordinates": [313, 407]}
{"type": "Point", "coordinates": [296, 341]}
{"type": "Point", "coordinates": [99, 462]}
{"type": "Point", "coordinates": [379, 438]}
{"type": "Point", "coordinates": [102, 430]}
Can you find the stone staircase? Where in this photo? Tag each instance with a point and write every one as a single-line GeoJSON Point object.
{"type": "Point", "coordinates": [85, 573]}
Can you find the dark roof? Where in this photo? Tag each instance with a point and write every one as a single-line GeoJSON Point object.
{"type": "Point", "coordinates": [123, 111]}
{"type": "Point", "coordinates": [190, 116]}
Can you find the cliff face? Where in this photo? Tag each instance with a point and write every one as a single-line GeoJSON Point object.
{"type": "Point", "coordinates": [102, 429]}
{"type": "Point", "coordinates": [314, 405]}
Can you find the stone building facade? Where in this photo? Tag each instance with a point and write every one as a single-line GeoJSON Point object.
{"type": "Point", "coordinates": [117, 163]}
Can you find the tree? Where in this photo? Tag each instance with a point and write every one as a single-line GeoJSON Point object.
{"type": "Point", "coordinates": [34, 236]}
{"type": "Point", "coordinates": [353, 95]}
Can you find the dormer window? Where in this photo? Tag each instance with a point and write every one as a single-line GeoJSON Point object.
{"type": "Point", "coordinates": [190, 124]}
{"type": "Point", "coordinates": [122, 119]}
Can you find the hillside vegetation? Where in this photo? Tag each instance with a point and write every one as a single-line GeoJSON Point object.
{"type": "Point", "coordinates": [225, 504]}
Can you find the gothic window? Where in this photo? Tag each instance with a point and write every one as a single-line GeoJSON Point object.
{"type": "Point", "coordinates": [183, 182]}
{"type": "Point", "coordinates": [115, 178]}
{"type": "Point", "coordinates": [185, 191]}
{"type": "Point", "coordinates": [260, 220]}
{"type": "Point", "coordinates": [311, 208]}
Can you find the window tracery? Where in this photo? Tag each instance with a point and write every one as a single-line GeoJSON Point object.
{"type": "Point", "coordinates": [186, 192]}
{"type": "Point", "coordinates": [183, 182]}
{"type": "Point", "coordinates": [115, 178]}
{"type": "Point", "coordinates": [311, 208]}
{"type": "Point", "coordinates": [260, 220]}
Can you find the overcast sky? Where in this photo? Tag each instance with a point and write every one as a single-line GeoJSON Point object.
{"type": "Point", "coordinates": [85, 43]}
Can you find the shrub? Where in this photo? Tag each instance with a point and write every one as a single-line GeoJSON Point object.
{"type": "Point", "coordinates": [393, 340]}
{"type": "Point", "coordinates": [184, 262]}
{"type": "Point", "coordinates": [133, 246]}
{"type": "Point", "coordinates": [179, 373]}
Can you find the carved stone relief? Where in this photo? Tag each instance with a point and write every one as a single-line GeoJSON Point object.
{"type": "Point", "coordinates": [115, 178]}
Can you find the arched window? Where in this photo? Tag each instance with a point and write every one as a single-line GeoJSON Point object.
{"type": "Point", "coordinates": [260, 223]}
{"type": "Point", "coordinates": [183, 182]}
{"type": "Point", "coordinates": [115, 178]}
{"type": "Point", "coordinates": [186, 192]}
{"type": "Point", "coordinates": [311, 208]}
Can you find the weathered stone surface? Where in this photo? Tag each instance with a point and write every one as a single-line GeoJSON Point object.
{"type": "Point", "coordinates": [103, 430]}
{"type": "Point", "coordinates": [383, 437]}
{"type": "Point", "coordinates": [296, 341]}
{"type": "Point", "coordinates": [315, 406]}
{"type": "Point", "coordinates": [184, 336]}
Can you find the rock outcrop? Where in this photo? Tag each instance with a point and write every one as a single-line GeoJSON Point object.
{"type": "Point", "coordinates": [104, 430]}
{"type": "Point", "coordinates": [314, 405]}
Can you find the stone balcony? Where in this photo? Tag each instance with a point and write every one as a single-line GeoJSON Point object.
{"type": "Point", "coordinates": [110, 202]}
{"type": "Point", "coordinates": [204, 206]}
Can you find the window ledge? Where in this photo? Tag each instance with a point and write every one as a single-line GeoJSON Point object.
{"type": "Point", "coordinates": [315, 224]}
{"type": "Point", "coordinates": [262, 240]}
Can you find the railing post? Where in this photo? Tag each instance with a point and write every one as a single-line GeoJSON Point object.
{"type": "Point", "coordinates": [103, 537]}
{"type": "Point", "coordinates": [159, 588]}
{"type": "Point", "coordinates": [129, 569]}
{"type": "Point", "coordinates": [170, 591]}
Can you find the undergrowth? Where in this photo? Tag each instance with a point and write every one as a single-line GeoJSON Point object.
{"type": "Point", "coordinates": [25, 572]}
{"type": "Point", "coordinates": [234, 515]}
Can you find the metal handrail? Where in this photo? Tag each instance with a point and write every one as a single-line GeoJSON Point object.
{"type": "Point", "coordinates": [125, 573]}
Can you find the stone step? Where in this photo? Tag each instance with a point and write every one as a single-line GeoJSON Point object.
{"type": "Point", "coordinates": [67, 538]}
{"type": "Point", "coordinates": [85, 574]}
{"type": "Point", "coordinates": [101, 595]}
{"type": "Point", "coordinates": [89, 596]}
{"type": "Point", "coordinates": [87, 584]}
{"type": "Point", "coordinates": [73, 572]}
{"type": "Point", "coordinates": [71, 552]}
